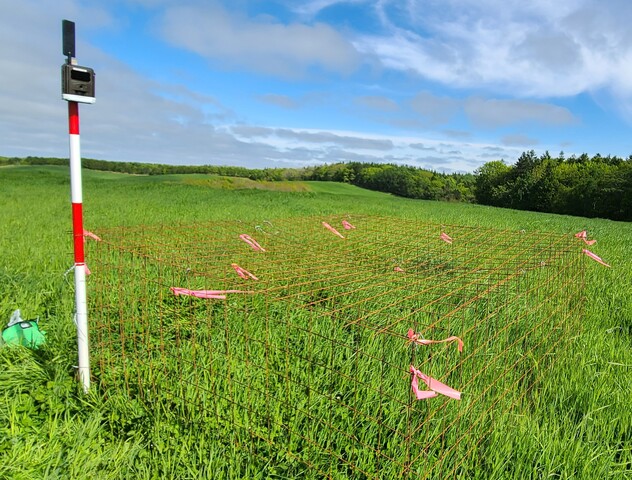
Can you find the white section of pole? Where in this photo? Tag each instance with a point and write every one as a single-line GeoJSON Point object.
{"type": "Point", "coordinates": [81, 319]}
{"type": "Point", "coordinates": [76, 187]}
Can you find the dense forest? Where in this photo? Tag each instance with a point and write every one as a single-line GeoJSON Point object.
{"type": "Point", "coordinates": [585, 186]}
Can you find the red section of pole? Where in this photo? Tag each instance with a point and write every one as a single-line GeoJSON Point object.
{"type": "Point", "coordinates": [73, 118]}
{"type": "Point", "coordinates": [77, 232]}
{"type": "Point", "coordinates": [75, 178]}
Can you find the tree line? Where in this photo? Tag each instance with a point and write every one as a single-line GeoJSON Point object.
{"type": "Point", "coordinates": [404, 181]}
{"type": "Point", "coordinates": [585, 186]}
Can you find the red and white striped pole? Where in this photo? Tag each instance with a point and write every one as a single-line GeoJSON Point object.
{"type": "Point", "coordinates": [81, 315]}
{"type": "Point", "coordinates": [77, 86]}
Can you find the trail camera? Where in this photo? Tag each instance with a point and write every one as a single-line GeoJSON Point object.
{"type": "Point", "coordinates": [77, 84]}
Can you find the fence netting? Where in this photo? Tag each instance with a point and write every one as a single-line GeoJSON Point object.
{"type": "Point", "coordinates": [306, 342]}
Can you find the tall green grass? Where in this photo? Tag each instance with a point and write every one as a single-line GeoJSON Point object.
{"type": "Point", "coordinates": [578, 425]}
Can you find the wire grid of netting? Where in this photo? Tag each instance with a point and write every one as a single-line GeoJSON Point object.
{"type": "Point", "coordinates": [303, 355]}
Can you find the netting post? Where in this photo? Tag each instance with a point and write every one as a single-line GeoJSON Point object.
{"type": "Point", "coordinates": [77, 87]}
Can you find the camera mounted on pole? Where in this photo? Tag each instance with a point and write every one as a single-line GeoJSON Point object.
{"type": "Point", "coordinates": [77, 82]}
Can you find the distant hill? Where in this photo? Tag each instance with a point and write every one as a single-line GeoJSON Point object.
{"type": "Point", "coordinates": [584, 186]}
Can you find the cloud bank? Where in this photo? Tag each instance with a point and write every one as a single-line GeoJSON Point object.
{"type": "Point", "coordinates": [539, 48]}
{"type": "Point", "coordinates": [263, 44]}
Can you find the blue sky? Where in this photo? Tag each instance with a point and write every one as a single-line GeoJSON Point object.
{"type": "Point", "coordinates": [440, 84]}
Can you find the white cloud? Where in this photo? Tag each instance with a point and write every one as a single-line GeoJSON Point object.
{"type": "Point", "coordinates": [421, 146]}
{"type": "Point", "coordinates": [436, 109]}
{"type": "Point", "coordinates": [261, 45]}
{"type": "Point", "coordinates": [537, 48]}
{"type": "Point", "coordinates": [335, 146]}
{"type": "Point", "coordinates": [488, 112]}
{"type": "Point", "coordinates": [554, 52]}
{"type": "Point", "coordinates": [325, 138]}
{"type": "Point", "coordinates": [457, 134]}
{"type": "Point", "coordinates": [377, 102]}
{"type": "Point", "coordinates": [312, 7]}
{"type": "Point", "coordinates": [282, 101]}
{"type": "Point", "coordinates": [345, 141]}
{"type": "Point", "coordinates": [519, 140]}
{"type": "Point", "coordinates": [494, 112]}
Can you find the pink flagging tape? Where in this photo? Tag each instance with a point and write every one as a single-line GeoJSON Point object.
{"type": "Point", "coordinates": [435, 386]}
{"type": "Point", "coordinates": [245, 274]}
{"type": "Point", "coordinates": [87, 234]}
{"type": "Point", "coordinates": [583, 235]}
{"type": "Point", "coordinates": [211, 294]}
{"type": "Point", "coordinates": [332, 229]}
{"type": "Point", "coordinates": [85, 266]}
{"type": "Point", "coordinates": [416, 338]}
{"type": "Point", "coordinates": [347, 225]}
{"type": "Point", "coordinates": [398, 269]}
{"type": "Point", "coordinates": [595, 257]}
{"type": "Point", "coordinates": [252, 242]}
{"type": "Point", "coordinates": [445, 237]}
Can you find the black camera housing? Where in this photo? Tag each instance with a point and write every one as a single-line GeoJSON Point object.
{"type": "Point", "coordinates": [77, 83]}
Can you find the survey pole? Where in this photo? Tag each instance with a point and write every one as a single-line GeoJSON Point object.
{"type": "Point", "coordinates": [77, 87]}
{"type": "Point", "coordinates": [81, 304]}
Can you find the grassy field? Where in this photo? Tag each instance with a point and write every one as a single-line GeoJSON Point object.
{"type": "Point", "coordinates": [581, 426]}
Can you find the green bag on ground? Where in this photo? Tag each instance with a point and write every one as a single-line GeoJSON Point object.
{"type": "Point", "coordinates": [23, 332]}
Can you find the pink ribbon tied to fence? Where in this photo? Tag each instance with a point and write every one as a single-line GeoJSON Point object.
{"type": "Point", "coordinates": [416, 338]}
{"type": "Point", "coordinates": [245, 274]}
{"type": "Point", "coordinates": [446, 238]}
{"type": "Point", "coordinates": [209, 294]}
{"type": "Point", "coordinates": [583, 236]}
{"type": "Point", "coordinates": [252, 242]}
{"type": "Point", "coordinates": [87, 234]}
{"type": "Point", "coordinates": [347, 225]}
{"type": "Point", "coordinates": [595, 257]}
{"type": "Point", "coordinates": [435, 386]}
{"type": "Point", "coordinates": [332, 229]}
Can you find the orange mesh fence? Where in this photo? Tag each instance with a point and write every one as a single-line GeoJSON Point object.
{"type": "Point", "coordinates": [302, 356]}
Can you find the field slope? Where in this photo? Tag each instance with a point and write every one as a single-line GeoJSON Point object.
{"type": "Point", "coordinates": [580, 427]}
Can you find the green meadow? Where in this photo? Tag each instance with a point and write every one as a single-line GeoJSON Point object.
{"type": "Point", "coordinates": [579, 426]}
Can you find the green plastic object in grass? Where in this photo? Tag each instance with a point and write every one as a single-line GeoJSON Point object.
{"type": "Point", "coordinates": [23, 332]}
